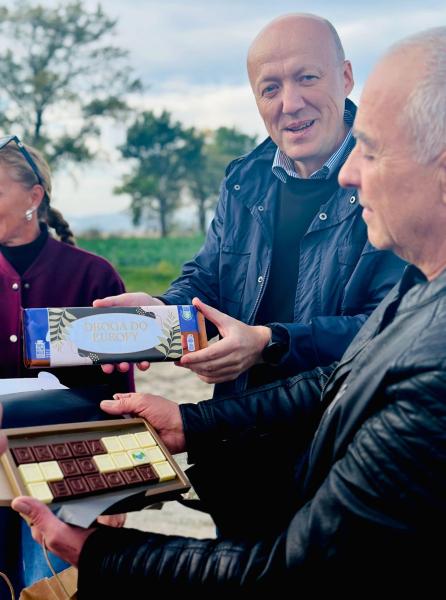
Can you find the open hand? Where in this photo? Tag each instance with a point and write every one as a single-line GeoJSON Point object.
{"type": "Point", "coordinates": [239, 349]}
{"type": "Point", "coordinates": [164, 415]}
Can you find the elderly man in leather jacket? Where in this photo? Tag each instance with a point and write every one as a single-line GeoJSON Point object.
{"type": "Point", "coordinates": [369, 496]}
{"type": "Point", "coordinates": [286, 256]}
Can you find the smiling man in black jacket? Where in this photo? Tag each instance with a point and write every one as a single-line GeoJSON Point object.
{"type": "Point", "coordinates": [369, 495]}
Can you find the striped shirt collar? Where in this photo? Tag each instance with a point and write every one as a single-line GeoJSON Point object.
{"type": "Point", "coordinates": [283, 166]}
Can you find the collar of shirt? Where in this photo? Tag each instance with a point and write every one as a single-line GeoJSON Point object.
{"type": "Point", "coordinates": [283, 166]}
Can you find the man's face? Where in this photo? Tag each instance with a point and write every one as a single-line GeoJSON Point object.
{"type": "Point", "coordinates": [300, 85]}
{"type": "Point", "coordinates": [401, 197]}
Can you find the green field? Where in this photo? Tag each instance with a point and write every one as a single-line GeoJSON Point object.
{"type": "Point", "coordinates": [145, 264]}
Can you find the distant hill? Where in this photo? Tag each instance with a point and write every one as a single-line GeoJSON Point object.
{"type": "Point", "coordinates": [108, 223]}
{"type": "Point", "coordinates": [120, 223]}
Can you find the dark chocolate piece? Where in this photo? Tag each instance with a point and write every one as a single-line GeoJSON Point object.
{"type": "Point", "coordinates": [86, 465]}
{"type": "Point", "coordinates": [147, 473]}
{"type": "Point", "coordinates": [114, 479]}
{"type": "Point", "coordinates": [69, 467]}
{"type": "Point", "coordinates": [60, 489]}
{"type": "Point", "coordinates": [43, 453]}
{"type": "Point", "coordinates": [131, 476]}
{"type": "Point", "coordinates": [96, 447]}
{"type": "Point", "coordinates": [23, 455]}
{"type": "Point", "coordinates": [78, 485]}
{"type": "Point", "coordinates": [79, 448]}
{"type": "Point", "coordinates": [96, 482]}
{"type": "Point", "coordinates": [61, 450]}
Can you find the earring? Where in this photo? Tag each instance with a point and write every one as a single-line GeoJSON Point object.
{"type": "Point", "coordinates": [29, 214]}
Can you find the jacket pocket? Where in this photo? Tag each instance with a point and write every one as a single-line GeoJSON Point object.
{"type": "Point", "coordinates": [349, 254]}
{"type": "Point", "coordinates": [233, 274]}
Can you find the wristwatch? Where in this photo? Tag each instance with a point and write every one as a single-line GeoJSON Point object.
{"type": "Point", "coordinates": [278, 345]}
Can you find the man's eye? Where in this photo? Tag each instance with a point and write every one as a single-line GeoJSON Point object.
{"type": "Point", "coordinates": [269, 90]}
{"type": "Point", "coordinates": [308, 78]}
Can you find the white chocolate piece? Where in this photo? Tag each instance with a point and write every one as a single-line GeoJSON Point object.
{"type": "Point", "coordinates": [31, 473]}
{"type": "Point", "coordinates": [139, 456]}
{"type": "Point", "coordinates": [51, 471]}
{"type": "Point", "coordinates": [128, 441]}
{"type": "Point", "coordinates": [164, 471]}
{"type": "Point", "coordinates": [121, 460]}
{"type": "Point", "coordinates": [112, 443]}
{"type": "Point", "coordinates": [145, 439]}
{"type": "Point", "coordinates": [41, 491]}
{"type": "Point", "coordinates": [155, 454]}
{"type": "Point", "coordinates": [104, 463]}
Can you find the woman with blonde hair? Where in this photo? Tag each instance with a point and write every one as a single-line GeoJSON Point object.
{"type": "Point", "coordinates": [38, 270]}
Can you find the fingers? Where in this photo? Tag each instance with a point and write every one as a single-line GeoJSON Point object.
{"type": "Point", "coordinates": [64, 540]}
{"type": "Point", "coordinates": [213, 315]}
{"type": "Point", "coordinates": [121, 367]}
{"type": "Point", "coordinates": [38, 516]}
{"type": "Point", "coordinates": [121, 405]}
{"type": "Point", "coordinates": [223, 349]}
{"type": "Point", "coordinates": [128, 299]}
{"type": "Point", "coordinates": [112, 520]}
{"type": "Point", "coordinates": [119, 300]}
{"type": "Point", "coordinates": [143, 366]}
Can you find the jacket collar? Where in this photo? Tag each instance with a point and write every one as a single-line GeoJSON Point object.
{"type": "Point", "coordinates": [250, 178]}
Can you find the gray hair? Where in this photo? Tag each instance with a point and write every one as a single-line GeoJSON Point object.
{"type": "Point", "coordinates": [424, 113]}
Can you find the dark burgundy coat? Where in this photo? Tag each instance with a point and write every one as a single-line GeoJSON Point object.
{"type": "Point", "coordinates": [61, 275]}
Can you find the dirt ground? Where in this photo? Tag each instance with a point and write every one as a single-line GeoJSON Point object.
{"type": "Point", "coordinates": [180, 385]}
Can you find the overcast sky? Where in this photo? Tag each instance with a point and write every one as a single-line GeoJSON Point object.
{"type": "Point", "coordinates": [191, 54]}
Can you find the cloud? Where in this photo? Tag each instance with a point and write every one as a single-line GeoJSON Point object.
{"type": "Point", "coordinates": [192, 57]}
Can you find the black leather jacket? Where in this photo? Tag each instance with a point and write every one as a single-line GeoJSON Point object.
{"type": "Point", "coordinates": [368, 497]}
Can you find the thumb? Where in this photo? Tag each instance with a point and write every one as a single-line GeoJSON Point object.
{"type": "Point", "coordinates": [121, 404]}
{"type": "Point", "coordinates": [108, 301]}
{"type": "Point", "coordinates": [213, 315]}
{"type": "Point", "coordinates": [36, 514]}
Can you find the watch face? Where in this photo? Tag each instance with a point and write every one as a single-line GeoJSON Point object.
{"type": "Point", "coordinates": [273, 352]}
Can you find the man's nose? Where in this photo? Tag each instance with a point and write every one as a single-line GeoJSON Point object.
{"type": "Point", "coordinates": [292, 99]}
{"type": "Point", "coordinates": [349, 175]}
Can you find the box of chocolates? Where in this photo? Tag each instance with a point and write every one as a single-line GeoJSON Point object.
{"type": "Point", "coordinates": [61, 337]}
{"type": "Point", "coordinates": [61, 463]}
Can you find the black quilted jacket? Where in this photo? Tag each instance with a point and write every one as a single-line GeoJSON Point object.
{"type": "Point", "coordinates": [367, 498]}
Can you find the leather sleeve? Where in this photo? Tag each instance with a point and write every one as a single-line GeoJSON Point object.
{"type": "Point", "coordinates": [292, 405]}
{"type": "Point", "coordinates": [373, 508]}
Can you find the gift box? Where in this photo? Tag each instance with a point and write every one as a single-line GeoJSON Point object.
{"type": "Point", "coordinates": [61, 337]}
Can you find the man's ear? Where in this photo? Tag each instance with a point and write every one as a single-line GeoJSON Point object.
{"type": "Point", "coordinates": [442, 175]}
{"type": "Point", "coordinates": [348, 78]}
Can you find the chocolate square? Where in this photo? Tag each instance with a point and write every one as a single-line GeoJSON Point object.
{"type": "Point", "coordinates": [79, 448]}
{"type": "Point", "coordinates": [60, 489]}
{"type": "Point", "coordinates": [147, 473]}
{"type": "Point", "coordinates": [86, 465]}
{"type": "Point", "coordinates": [43, 453]}
{"type": "Point", "coordinates": [23, 455]}
{"type": "Point", "coordinates": [78, 485]}
{"type": "Point", "coordinates": [96, 447]}
{"type": "Point", "coordinates": [60, 450]}
{"type": "Point", "coordinates": [131, 476]}
{"type": "Point", "coordinates": [69, 467]}
{"type": "Point", "coordinates": [96, 481]}
{"type": "Point", "coordinates": [114, 479]}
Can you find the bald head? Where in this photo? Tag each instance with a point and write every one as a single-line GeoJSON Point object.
{"type": "Point", "coordinates": [299, 28]}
